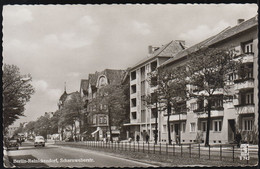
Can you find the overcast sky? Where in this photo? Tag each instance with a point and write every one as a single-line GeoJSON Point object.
{"type": "Point", "coordinates": [64, 43]}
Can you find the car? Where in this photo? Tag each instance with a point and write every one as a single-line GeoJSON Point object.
{"type": "Point", "coordinates": [12, 144]}
{"type": "Point", "coordinates": [69, 139]}
{"type": "Point", "coordinates": [39, 141]}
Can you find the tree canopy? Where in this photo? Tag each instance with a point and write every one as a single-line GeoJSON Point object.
{"type": "Point", "coordinates": [17, 91]}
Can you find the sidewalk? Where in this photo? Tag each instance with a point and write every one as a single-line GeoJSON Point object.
{"type": "Point", "coordinates": [7, 163]}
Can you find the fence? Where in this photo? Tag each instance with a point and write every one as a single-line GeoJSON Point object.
{"type": "Point", "coordinates": [222, 152]}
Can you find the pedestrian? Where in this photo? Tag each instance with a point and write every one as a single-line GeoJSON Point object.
{"type": "Point", "coordinates": [137, 138]}
{"type": "Point", "coordinates": [147, 138]}
{"type": "Point", "coordinates": [238, 138]}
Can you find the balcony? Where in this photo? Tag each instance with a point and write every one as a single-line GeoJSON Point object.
{"type": "Point", "coordinates": [247, 83]}
{"type": "Point", "coordinates": [245, 109]}
{"type": "Point", "coordinates": [215, 112]}
{"type": "Point", "coordinates": [246, 57]}
{"type": "Point", "coordinates": [177, 117]}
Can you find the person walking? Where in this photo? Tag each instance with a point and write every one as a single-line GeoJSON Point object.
{"type": "Point", "coordinates": [147, 138]}
{"type": "Point", "coordinates": [238, 138]}
{"type": "Point", "coordinates": [137, 138]}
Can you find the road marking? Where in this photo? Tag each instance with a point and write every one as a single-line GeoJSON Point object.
{"type": "Point", "coordinates": [120, 158]}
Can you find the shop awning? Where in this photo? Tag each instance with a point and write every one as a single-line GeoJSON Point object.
{"type": "Point", "coordinates": [95, 131]}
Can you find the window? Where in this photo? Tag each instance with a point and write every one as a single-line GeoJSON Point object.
{"type": "Point", "coordinates": [133, 102]}
{"type": "Point", "coordinates": [143, 88]}
{"type": "Point", "coordinates": [153, 113]}
{"type": "Point", "coordinates": [153, 66]}
{"type": "Point", "coordinates": [217, 125]}
{"type": "Point", "coordinates": [204, 126]}
{"type": "Point", "coordinates": [192, 127]}
{"type": "Point", "coordinates": [218, 102]}
{"type": "Point", "coordinates": [247, 124]}
{"type": "Point", "coordinates": [94, 120]}
{"type": "Point", "coordinates": [133, 75]}
{"type": "Point", "coordinates": [133, 89]}
{"type": "Point", "coordinates": [183, 127]}
{"type": "Point", "coordinates": [193, 106]}
{"type": "Point", "coordinates": [249, 98]}
{"type": "Point", "coordinates": [142, 73]}
{"type": "Point", "coordinates": [133, 115]}
{"type": "Point", "coordinates": [105, 119]}
{"type": "Point", "coordinates": [248, 47]}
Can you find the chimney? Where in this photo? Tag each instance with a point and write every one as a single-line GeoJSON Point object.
{"type": "Point", "coordinates": [150, 49]}
{"type": "Point", "coordinates": [240, 21]}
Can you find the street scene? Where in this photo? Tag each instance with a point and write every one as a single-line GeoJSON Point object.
{"type": "Point", "coordinates": [118, 86]}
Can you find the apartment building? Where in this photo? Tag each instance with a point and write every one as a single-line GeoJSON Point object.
{"type": "Point", "coordinates": [241, 111]}
{"type": "Point", "coordinates": [142, 117]}
{"type": "Point", "coordinates": [97, 113]}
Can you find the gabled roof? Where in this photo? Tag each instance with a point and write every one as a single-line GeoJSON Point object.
{"type": "Point", "coordinates": [226, 33]}
{"type": "Point", "coordinates": [168, 50]}
{"type": "Point", "coordinates": [192, 49]}
{"type": "Point", "coordinates": [236, 30]}
{"type": "Point", "coordinates": [114, 77]}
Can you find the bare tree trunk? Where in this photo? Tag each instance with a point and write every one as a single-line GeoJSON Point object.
{"type": "Point", "coordinates": [208, 123]}
{"type": "Point", "coordinates": [168, 122]}
{"type": "Point", "coordinates": [109, 125]}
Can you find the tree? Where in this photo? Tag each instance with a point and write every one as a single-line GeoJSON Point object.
{"type": "Point", "coordinates": [207, 71]}
{"type": "Point", "coordinates": [113, 97]}
{"type": "Point", "coordinates": [170, 91]}
{"type": "Point", "coordinates": [72, 112]}
{"type": "Point", "coordinates": [17, 91]}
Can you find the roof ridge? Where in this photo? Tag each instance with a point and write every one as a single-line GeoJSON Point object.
{"type": "Point", "coordinates": [164, 47]}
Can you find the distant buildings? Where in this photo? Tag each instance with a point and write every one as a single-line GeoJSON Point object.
{"type": "Point", "coordinates": [96, 113]}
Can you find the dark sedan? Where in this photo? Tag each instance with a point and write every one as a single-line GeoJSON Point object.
{"type": "Point", "coordinates": [12, 144]}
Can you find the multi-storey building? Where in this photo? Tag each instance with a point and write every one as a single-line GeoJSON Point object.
{"type": "Point", "coordinates": [241, 111]}
{"type": "Point", "coordinates": [142, 117]}
{"type": "Point", "coordinates": [97, 113]}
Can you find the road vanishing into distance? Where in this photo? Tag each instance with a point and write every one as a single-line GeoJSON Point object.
{"type": "Point", "coordinates": [59, 156]}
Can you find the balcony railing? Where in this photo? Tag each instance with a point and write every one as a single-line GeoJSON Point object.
{"type": "Point", "coordinates": [245, 108]}
{"type": "Point", "coordinates": [244, 83]}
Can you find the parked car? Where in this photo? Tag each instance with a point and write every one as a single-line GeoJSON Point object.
{"type": "Point", "coordinates": [39, 141]}
{"type": "Point", "coordinates": [69, 139]}
{"type": "Point", "coordinates": [12, 144]}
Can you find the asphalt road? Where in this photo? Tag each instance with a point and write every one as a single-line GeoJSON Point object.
{"type": "Point", "coordinates": [59, 156]}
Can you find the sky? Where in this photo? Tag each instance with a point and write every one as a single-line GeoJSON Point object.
{"type": "Point", "coordinates": [64, 43]}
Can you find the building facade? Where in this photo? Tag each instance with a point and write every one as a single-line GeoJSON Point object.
{"type": "Point", "coordinates": [97, 113]}
{"type": "Point", "coordinates": [142, 117]}
{"type": "Point", "coordinates": [239, 113]}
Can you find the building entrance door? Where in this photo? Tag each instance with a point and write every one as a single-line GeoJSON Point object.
{"type": "Point", "coordinates": [177, 130]}
{"type": "Point", "coordinates": [231, 130]}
